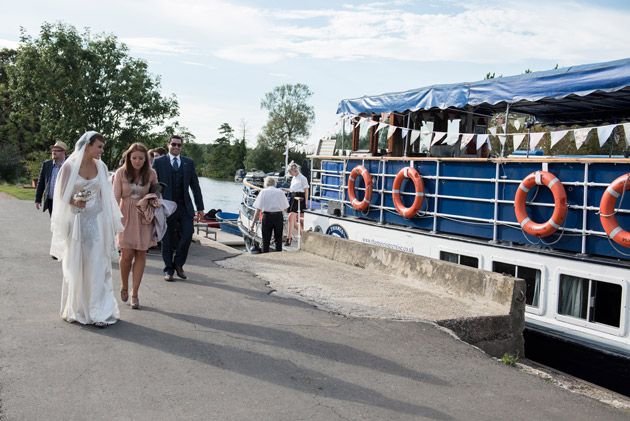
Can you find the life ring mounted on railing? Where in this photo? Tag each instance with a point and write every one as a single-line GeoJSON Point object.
{"type": "Point", "coordinates": [367, 179]}
{"type": "Point", "coordinates": [607, 210]}
{"type": "Point", "coordinates": [552, 182]}
{"type": "Point", "coordinates": [411, 173]}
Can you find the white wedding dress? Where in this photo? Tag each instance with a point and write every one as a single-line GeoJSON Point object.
{"type": "Point", "coordinates": [88, 294]}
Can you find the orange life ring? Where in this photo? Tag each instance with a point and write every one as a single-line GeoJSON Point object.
{"type": "Point", "coordinates": [607, 210]}
{"type": "Point", "coordinates": [367, 179]}
{"type": "Point", "coordinates": [559, 196]}
{"type": "Point", "coordinates": [411, 173]}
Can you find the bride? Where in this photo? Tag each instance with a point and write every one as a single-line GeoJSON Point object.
{"type": "Point", "coordinates": [84, 226]}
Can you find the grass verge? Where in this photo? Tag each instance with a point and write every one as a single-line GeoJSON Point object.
{"type": "Point", "coordinates": [18, 192]}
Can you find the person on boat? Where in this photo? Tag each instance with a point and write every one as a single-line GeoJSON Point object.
{"type": "Point", "coordinates": [272, 202]}
{"type": "Point", "coordinates": [131, 183]}
{"type": "Point", "coordinates": [299, 194]}
{"type": "Point", "coordinates": [179, 175]}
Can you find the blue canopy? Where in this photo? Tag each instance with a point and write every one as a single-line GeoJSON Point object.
{"type": "Point", "coordinates": [587, 93]}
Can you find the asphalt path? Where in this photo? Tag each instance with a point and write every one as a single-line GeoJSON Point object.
{"type": "Point", "coordinates": [221, 346]}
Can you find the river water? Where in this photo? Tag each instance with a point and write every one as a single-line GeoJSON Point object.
{"type": "Point", "coordinates": [224, 195]}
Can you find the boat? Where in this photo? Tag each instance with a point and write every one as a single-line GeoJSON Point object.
{"type": "Point", "coordinates": [228, 222]}
{"type": "Point", "coordinates": [239, 175]}
{"type": "Point", "coordinates": [421, 177]}
{"type": "Point", "coordinates": [253, 237]}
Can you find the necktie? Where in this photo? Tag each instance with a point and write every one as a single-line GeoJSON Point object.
{"type": "Point", "coordinates": [175, 164]}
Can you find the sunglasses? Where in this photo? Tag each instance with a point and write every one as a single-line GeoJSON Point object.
{"type": "Point", "coordinates": [176, 145]}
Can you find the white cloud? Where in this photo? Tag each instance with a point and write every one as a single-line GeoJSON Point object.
{"type": "Point", "coordinates": [207, 66]}
{"type": "Point", "coordinates": [470, 32]}
{"type": "Point", "coordinates": [158, 46]}
{"type": "Point", "coordinates": [5, 43]}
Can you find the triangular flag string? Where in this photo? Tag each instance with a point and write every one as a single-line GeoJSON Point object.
{"type": "Point", "coordinates": [604, 132]}
{"type": "Point", "coordinates": [415, 134]}
{"type": "Point", "coordinates": [482, 139]}
{"type": "Point", "coordinates": [518, 139]}
{"type": "Point", "coordinates": [534, 139]}
{"type": "Point", "coordinates": [580, 136]}
{"type": "Point", "coordinates": [466, 138]}
{"type": "Point", "coordinates": [438, 136]}
{"type": "Point", "coordinates": [557, 136]}
{"type": "Point", "coordinates": [390, 131]}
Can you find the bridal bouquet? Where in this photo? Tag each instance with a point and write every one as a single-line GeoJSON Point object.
{"type": "Point", "coordinates": [84, 195]}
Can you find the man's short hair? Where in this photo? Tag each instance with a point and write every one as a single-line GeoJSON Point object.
{"type": "Point", "coordinates": [270, 181]}
{"type": "Point", "coordinates": [175, 137]}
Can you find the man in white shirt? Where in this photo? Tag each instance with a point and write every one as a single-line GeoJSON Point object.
{"type": "Point", "coordinates": [271, 202]}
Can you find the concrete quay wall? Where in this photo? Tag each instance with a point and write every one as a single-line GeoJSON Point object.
{"type": "Point", "coordinates": [497, 333]}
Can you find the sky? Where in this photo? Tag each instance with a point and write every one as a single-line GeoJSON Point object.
{"type": "Point", "coordinates": [219, 57]}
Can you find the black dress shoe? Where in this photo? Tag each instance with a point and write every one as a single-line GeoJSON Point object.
{"type": "Point", "coordinates": [169, 277]}
{"type": "Point", "coordinates": [180, 272]}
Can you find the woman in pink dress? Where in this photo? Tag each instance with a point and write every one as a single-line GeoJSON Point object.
{"type": "Point", "coordinates": [131, 183]}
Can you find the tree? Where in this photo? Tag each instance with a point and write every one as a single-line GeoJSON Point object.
{"type": "Point", "coordinates": [220, 163]}
{"type": "Point", "coordinates": [290, 117]}
{"type": "Point", "coordinates": [72, 83]}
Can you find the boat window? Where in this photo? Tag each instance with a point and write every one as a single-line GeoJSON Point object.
{"type": "Point", "coordinates": [530, 275]}
{"type": "Point", "coordinates": [459, 259]}
{"type": "Point", "coordinates": [426, 132]}
{"type": "Point", "coordinates": [364, 138]}
{"type": "Point", "coordinates": [587, 299]}
{"type": "Point", "coordinates": [383, 142]}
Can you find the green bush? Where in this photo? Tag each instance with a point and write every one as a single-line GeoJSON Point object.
{"type": "Point", "coordinates": [10, 162]}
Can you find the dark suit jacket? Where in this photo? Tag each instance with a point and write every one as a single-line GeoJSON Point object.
{"type": "Point", "coordinates": [43, 184]}
{"type": "Point", "coordinates": [162, 167]}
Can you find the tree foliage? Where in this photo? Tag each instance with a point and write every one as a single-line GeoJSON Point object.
{"type": "Point", "coordinates": [290, 117]}
{"type": "Point", "coordinates": [69, 83]}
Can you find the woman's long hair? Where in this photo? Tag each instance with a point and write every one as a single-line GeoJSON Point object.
{"type": "Point", "coordinates": [130, 171]}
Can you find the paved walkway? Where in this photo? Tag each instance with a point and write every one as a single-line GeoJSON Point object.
{"type": "Point", "coordinates": [221, 346]}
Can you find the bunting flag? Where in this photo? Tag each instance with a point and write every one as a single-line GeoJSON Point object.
{"type": "Point", "coordinates": [603, 132]}
{"type": "Point", "coordinates": [518, 139]}
{"type": "Point", "coordinates": [466, 138]}
{"type": "Point", "coordinates": [534, 139]}
{"type": "Point", "coordinates": [581, 136]}
{"type": "Point", "coordinates": [451, 139]}
{"type": "Point", "coordinates": [380, 126]}
{"type": "Point", "coordinates": [371, 123]}
{"type": "Point", "coordinates": [557, 136]}
{"type": "Point", "coordinates": [438, 136]}
{"type": "Point", "coordinates": [482, 139]}
{"type": "Point", "coordinates": [414, 135]}
{"type": "Point", "coordinates": [517, 125]}
{"type": "Point", "coordinates": [626, 129]}
{"type": "Point", "coordinates": [390, 131]}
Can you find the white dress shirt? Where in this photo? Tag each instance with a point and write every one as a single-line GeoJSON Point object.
{"type": "Point", "coordinates": [271, 199]}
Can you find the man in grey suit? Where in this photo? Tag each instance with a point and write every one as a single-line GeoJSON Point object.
{"type": "Point", "coordinates": [48, 177]}
{"type": "Point", "coordinates": [179, 175]}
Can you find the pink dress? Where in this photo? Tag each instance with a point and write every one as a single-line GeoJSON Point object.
{"type": "Point", "coordinates": [136, 235]}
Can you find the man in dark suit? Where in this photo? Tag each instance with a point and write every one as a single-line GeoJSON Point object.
{"type": "Point", "coordinates": [48, 177]}
{"type": "Point", "coordinates": [178, 173]}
